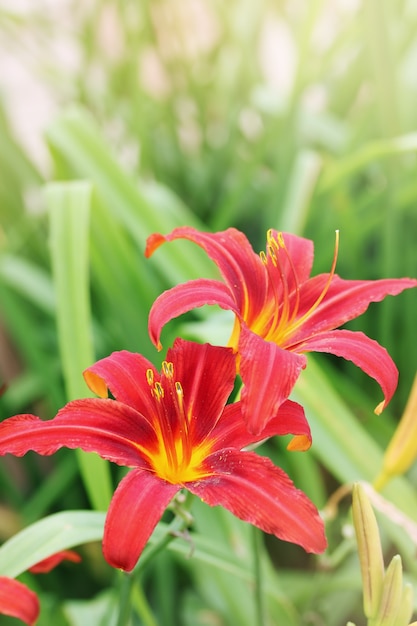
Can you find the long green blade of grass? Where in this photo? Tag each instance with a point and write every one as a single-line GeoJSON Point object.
{"type": "Point", "coordinates": [52, 534]}
{"type": "Point", "coordinates": [69, 208]}
{"type": "Point", "coordinates": [79, 149]}
{"type": "Point", "coordinates": [375, 150]}
{"type": "Point", "coordinates": [341, 442]}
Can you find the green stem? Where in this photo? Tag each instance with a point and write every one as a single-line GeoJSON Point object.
{"type": "Point", "coordinates": [130, 589]}
{"type": "Point", "coordinates": [132, 595]}
{"type": "Point", "coordinates": [177, 525]}
{"type": "Point", "coordinates": [141, 606]}
{"type": "Point", "coordinates": [257, 573]}
{"type": "Point", "coordinates": [125, 603]}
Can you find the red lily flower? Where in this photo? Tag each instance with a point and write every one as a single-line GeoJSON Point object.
{"type": "Point", "coordinates": [17, 600]}
{"type": "Point", "coordinates": [281, 313]}
{"type": "Point", "coordinates": [174, 430]}
{"type": "Point", "coordinates": [48, 564]}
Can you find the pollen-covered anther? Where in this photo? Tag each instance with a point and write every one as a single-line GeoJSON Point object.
{"type": "Point", "coordinates": [272, 254]}
{"type": "Point", "coordinates": [280, 240]}
{"type": "Point", "coordinates": [149, 377]}
{"type": "Point", "coordinates": [275, 240]}
{"type": "Point", "coordinates": [180, 399]}
{"type": "Point", "coordinates": [168, 369]}
{"type": "Point", "coordinates": [178, 389]}
{"type": "Point", "coordinates": [158, 391]}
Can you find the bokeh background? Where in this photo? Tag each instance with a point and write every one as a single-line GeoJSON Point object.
{"type": "Point", "coordinates": [300, 116]}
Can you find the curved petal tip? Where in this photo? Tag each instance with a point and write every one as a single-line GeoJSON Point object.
{"type": "Point", "coordinates": [299, 443]}
{"type": "Point", "coordinates": [96, 384]}
{"type": "Point", "coordinates": [152, 243]}
{"type": "Point", "coordinates": [380, 407]}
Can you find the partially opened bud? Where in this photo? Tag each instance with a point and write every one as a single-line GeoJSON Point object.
{"type": "Point", "coordinates": [391, 597]}
{"type": "Point", "coordinates": [402, 449]}
{"type": "Point", "coordinates": [369, 550]}
{"type": "Point", "coordinates": [406, 609]}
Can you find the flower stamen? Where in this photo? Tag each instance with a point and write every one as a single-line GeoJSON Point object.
{"type": "Point", "coordinates": [283, 322]}
{"type": "Point", "coordinates": [176, 459]}
{"type": "Point", "coordinates": [322, 295]}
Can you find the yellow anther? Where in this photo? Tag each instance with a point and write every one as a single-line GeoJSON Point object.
{"type": "Point", "coordinates": [272, 254]}
{"type": "Point", "coordinates": [149, 376]}
{"type": "Point", "coordinates": [280, 240]}
{"type": "Point", "coordinates": [263, 257]}
{"type": "Point", "coordinates": [168, 368]}
{"type": "Point", "coordinates": [180, 396]}
{"type": "Point", "coordinates": [159, 390]}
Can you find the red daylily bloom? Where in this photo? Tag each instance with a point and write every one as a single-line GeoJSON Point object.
{"type": "Point", "coordinates": [174, 430]}
{"type": "Point", "coordinates": [48, 564]}
{"type": "Point", "coordinates": [17, 600]}
{"type": "Point", "coordinates": [281, 313]}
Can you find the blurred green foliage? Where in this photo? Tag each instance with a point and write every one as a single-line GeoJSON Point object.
{"type": "Point", "coordinates": [293, 115]}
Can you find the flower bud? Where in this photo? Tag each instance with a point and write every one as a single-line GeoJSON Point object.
{"type": "Point", "coordinates": [369, 549]}
{"type": "Point", "coordinates": [391, 597]}
{"type": "Point", "coordinates": [406, 609]}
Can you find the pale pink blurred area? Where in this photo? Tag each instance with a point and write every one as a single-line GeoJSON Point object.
{"type": "Point", "coordinates": [39, 51]}
{"type": "Point", "coordinates": [46, 53]}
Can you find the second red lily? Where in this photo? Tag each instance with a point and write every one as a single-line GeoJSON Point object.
{"type": "Point", "coordinates": [281, 313]}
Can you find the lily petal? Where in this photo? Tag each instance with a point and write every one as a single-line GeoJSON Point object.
{"type": "Point", "coordinates": [124, 374]}
{"type": "Point", "coordinates": [269, 374]}
{"type": "Point", "coordinates": [301, 253]}
{"type": "Point", "coordinates": [344, 300]}
{"type": "Point", "coordinates": [135, 509]}
{"type": "Point", "coordinates": [240, 267]}
{"type": "Point", "coordinates": [184, 298]}
{"type": "Point", "coordinates": [48, 564]}
{"type": "Point", "coordinates": [364, 352]}
{"type": "Point", "coordinates": [107, 427]}
{"type": "Point", "coordinates": [253, 489]}
{"type": "Point", "coordinates": [195, 364]}
{"type": "Point", "coordinates": [17, 600]}
{"type": "Point", "coordinates": [231, 432]}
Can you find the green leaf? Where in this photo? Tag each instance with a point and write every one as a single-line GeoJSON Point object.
{"type": "Point", "coordinates": [81, 150]}
{"type": "Point", "coordinates": [366, 155]}
{"type": "Point", "coordinates": [69, 212]}
{"type": "Point", "coordinates": [56, 532]}
{"type": "Point", "coordinates": [341, 442]}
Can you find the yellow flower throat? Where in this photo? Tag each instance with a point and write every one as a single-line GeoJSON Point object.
{"type": "Point", "coordinates": [176, 459]}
